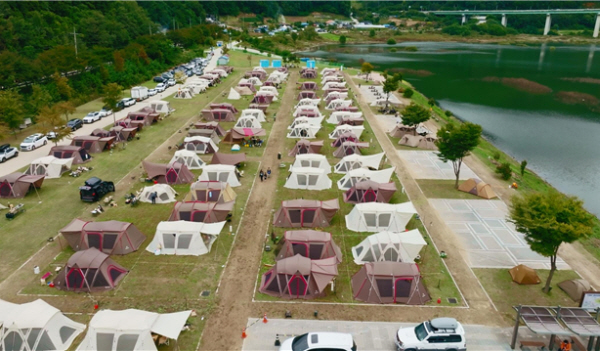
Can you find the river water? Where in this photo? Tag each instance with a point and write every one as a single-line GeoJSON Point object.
{"type": "Point", "coordinates": [550, 124]}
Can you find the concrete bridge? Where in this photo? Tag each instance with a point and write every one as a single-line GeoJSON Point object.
{"type": "Point", "coordinates": [505, 13]}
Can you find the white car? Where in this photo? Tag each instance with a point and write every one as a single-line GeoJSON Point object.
{"type": "Point", "coordinates": [7, 152]}
{"type": "Point", "coordinates": [171, 82]}
{"type": "Point", "coordinates": [91, 117]}
{"type": "Point", "coordinates": [34, 141]}
{"type": "Point", "coordinates": [321, 341]}
{"type": "Point", "coordinates": [128, 102]}
{"type": "Point", "coordinates": [437, 334]}
{"type": "Point", "coordinates": [105, 112]}
{"type": "Point", "coordinates": [152, 92]}
{"type": "Point", "coordinates": [160, 87]}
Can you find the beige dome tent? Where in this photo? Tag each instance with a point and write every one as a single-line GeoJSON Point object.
{"type": "Point", "coordinates": [575, 288]}
{"type": "Point", "coordinates": [90, 270]}
{"type": "Point", "coordinates": [200, 145]}
{"type": "Point", "coordinates": [524, 275]}
{"type": "Point", "coordinates": [211, 126]}
{"type": "Point", "coordinates": [400, 130]}
{"type": "Point", "coordinates": [243, 90]}
{"type": "Point", "coordinates": [390, 282]}
{"type": "Point", "coordinates": [49, 166]}
{"type": "Point", "coordinates": [349, 148]}
{"type": "Point", "coordinates": [206, 133]}
{"type": "Point", "coordinates": [188, 158]}
{"type": "Point", "coordinates": [305, 213]}
{"type": "Point", "coordinates": [477, 187]}
{"type": "Point", "coordinates": [306, 147]}
{"type": "Point", "coordinates": [233, 95]}
{"type": "Point", "coordinates": [184, 238]}
{"type": "Point", "coordinates": [390, 247]}
{"type": "Point", "coordinates": [351, 162]}
{"type": "Point", "coordinates": [299, 277]}
{"type": "Point", "coordinates": [207, 191]}
{"type": "Point", "coordinates": [205, 212]}
{"type": "Point", "coordinates": [309, 243]}
{"type": "Point", "coordinates": [111, 237]}
{"type": "Point", "coordinates": [417, 141]}
{"type": "Point", "coordinates": [164, 194]}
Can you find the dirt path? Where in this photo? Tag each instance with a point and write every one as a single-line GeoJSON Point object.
{"type": "Point", "coordinates": [226, 322]}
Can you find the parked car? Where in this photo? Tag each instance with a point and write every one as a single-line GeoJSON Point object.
{"type": "Point", "coordinates": [7, 152]}
{"type": "Point", "coordinates": [152, 92]}
{"type": "Point", "coordinates": [33, 141]}
{"type": "Point", "coordinates": [319, 341]}
{"type": "Point", "coordinates": [160, 87]}
{"type": "Point", "coordinates": [91, 117]}
{"type": "Point", "coordinates": [75, 124]}
{"type": "Point", "coordinates": [437, 334]}
{"type": "Point", "coordinates": [167, 76]}
{"type": "Point", "coordinates": [51, 135]}
{"type": "Point", "coordinates": [105, 112]}
{"type": "Point", "coordinates": [94, 189]}
{"type": "Point", "coordinates": [126, 102]}
{"type": "Point", "coordinates": [159, 79]}
{"type": "Point", "coordinates": [171, 82]}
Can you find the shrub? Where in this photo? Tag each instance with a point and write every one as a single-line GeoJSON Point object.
{"type": "Point", "coordinates": [411, 49]}
{"type": "Point", "coordinates": [393, 50]}
{"type": "Point", "coordinates": [408, 93]}
{"type": "Point", "coordinates": [504, 170]}
{"type": "Point", "coordinates": [523, 166]}
{"type": "Point", "coordinates": [372, 33]}
{"type": "Point", "coordinates": [448, 113]}
{"type": "Point", "coordinates": [431, 102]}
{"type": "Point", "coordinates": [391, 41]}
{"type": "Point", "coordinates": [497, 155]}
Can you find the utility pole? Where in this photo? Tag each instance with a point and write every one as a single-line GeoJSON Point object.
{"type": "Point", "coordinates": [75, 40]}
{"type": "Point", "coordinates": [173, 23]}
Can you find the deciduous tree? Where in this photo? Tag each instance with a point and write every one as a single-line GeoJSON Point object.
{"type": "Point", "coordinates": [11, 109]}
{"type": "Point", "coordinates": [112, 95]}
{"type": "Point", "coordinates": [413, 115]}
{"type": "Point", "coordinates": [39, 98]}
{"type": "Point", "coordinates": [343, 39]}
{"type": "Point", "coordinates": [390, 84]}
{"type": "Point", "coordinates": [548, 220]}
{"type": "Point", "coordinates": [455, 142]}
{"type": "Point", "coordinates": [65, 108]}
{"type": "Point", "coordinates": [366, 68]}
{"type": "Point", "coordinates": [49, 120]}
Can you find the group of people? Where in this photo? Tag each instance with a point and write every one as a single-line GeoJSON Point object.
{"type": "Point", "coordinates": [265, 175]}
{"type": "Point", "coordinates": [253, 142]}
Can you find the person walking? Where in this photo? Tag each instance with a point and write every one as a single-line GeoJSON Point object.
{"type": "Point", "coordinates": [262, 174]}
{"type": "Point", "coordinates": [565, 345]}
{"type": "Point", "coordinates": [269, 172]}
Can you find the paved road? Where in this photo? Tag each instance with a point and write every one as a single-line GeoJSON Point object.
{"type": "Point", "coordinates": [26, 157]}
{"type": "Point", "coordinates": [370, 336]}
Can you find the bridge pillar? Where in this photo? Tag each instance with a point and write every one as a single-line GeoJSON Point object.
{"type": "Point", "coordinates": [464, 19]}
{"type": "Point", "coordinates": [503, 20]}
{"type": "Point", "coordinates": [597, 26]}
{"type": "Point", "coordinates": [548, 24]}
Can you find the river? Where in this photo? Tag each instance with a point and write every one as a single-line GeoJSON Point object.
{"type": "Point", "coordinates": [530, 100]}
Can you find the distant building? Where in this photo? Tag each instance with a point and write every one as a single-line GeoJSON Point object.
{"type": "Point", "coordinates": [368, 26]}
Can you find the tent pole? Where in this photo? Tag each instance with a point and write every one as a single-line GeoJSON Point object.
{"type": "Point", "coordinates": [516, 329]}
{"type": "Point", "coordinates": [590, 345]}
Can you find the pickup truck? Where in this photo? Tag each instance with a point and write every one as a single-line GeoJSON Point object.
{"type": "Point", "coordinates": [94, 189]}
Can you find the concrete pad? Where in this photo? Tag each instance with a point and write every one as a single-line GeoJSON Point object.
{"type": "Point", "coordinates": [491, 259]}
{"type": "Point", "coordinates": [427, 165]}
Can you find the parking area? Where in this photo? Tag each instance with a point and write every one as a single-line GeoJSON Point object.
{"type": "Point", "coordinates": [373, 93]}
{"type": "Point", "coordinates": [427, 165]}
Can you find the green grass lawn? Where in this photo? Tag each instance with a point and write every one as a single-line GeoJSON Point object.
{"type": "Point", "coordinates": [330, 36]}
{"type": "Point", "coordinates": [443, 189]}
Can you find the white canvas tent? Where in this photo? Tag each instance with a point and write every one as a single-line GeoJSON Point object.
{"type": "Point", "coordinates": [220, 172]}
{"type": "Point", "coordinates": [247, 122]}
{"type": "Point", "coordinates": [267, 93]}
{"type": "Point", "coordinates": [358, 175]}
{"type": "Point", "coordinates": [200, 144]}
{"type": "Point", "coordinates": [312, 160]}
{"type": "Point", "coordinates": [307, 111]}
{"type": "Point", "coordinates": [188, 158]}
{"type": "Point", "coordinates": [164, 194]}
{"type": "Point", "coordinates": [389, 246]}
{"type": "Point", "coordinates": [307, 102]}
{"type": "Point", "coordinates": [131, 329]}
{"type": "Point", "coordinates": [345, 128]}
{"type": "Point", "coordinates": [50, 166]}
{"type": "Point", "coordinates": [308, 178]}
{"type": "Point", "coordinates": [233, 95]}
{"type": "Point", "coordinates": [336, 95]}
{"type": "Point", "coordinates": [377, 217]}
{"type": "Point", "coordinates": [35, 326]}
{"type": "Point", "coordinates": [255, 112]}
{"type": "Point", "coordinates": [338, 103]}
{"type": "Point", "coordinates": [252, 80]}
{"type": "Point", "coordinates": [272, 90]}
{"type": "Point", "coordinates": [334, 85]}
{"type": "Point", "coordinates": [183, 93]}
{"type": "Point", "coordinates": [315, 122]}
{"type": "Point", "coordinates": [358, 161]}
{"type": "Point", "coordinates": [184, 238]}
{"type": "Point", "coordinates": [337, 116]}
{"type": "Point", "coordinates": [195, 88]}
{"type": "Point", "coordinates": [331, 78]}
{"type": "Point", "coordinates": [304, 130]}
{"type": "Point", "coordinates": [162, 107]}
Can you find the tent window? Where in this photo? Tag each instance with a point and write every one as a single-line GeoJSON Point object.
{"type": "Point", "coordinates": [171, 176]}
{"type": "Point", "coordinates": [385, 287]}
{"type": "Point", "coordinates": [75, 278]}
{"type": "Point", "coordinates": [295, 216]}
{"type": "Point", "coordinates": [300, 248]}
{"type": "Point", "coordinates": [164, 196]}
{"type": "Point", "coordinates": [370, 219]}
{"type": "Point", "coordinates": [198, 216]}
{"type": "Point", "coordinates": [343, 167]}
{"type": "Point", "coordinates": [273, 286]}
{"type": "Point", "coordinates": [370, 196]}
{"type": "Point", "coordinates": [190, 147]}
{"type": "Point", "coordinates": [114, 273]}
{"type": "Point", "coordinates": [223, 176]}
{"type": "Point", "coordinates": [316, 251]}
{"type": "Point", "coordinates": [87, 145]}
{"type": "Point", "coordinates": [95, 240]}
{"type": "Point", "coordinates": [308, 216]}
{"type": "Point", "coordinates": [185, 216]}
{"type": "Point", "coordinates": [184, 241]}
{"type": "Point", "coordinates": [349, 151]}
{"type": "Point", "coordinates": [353, 196]}
{"type": "Point", "coordinates": [5, 189]}
{"type": "Point", "coordinates": [32, 337]}
{"type": "Point", "coordinates": [312, 179]}
{"type": "Point", "coordinates": [359, 250]}
{"type": "Point", "coordinates": [316, 164]}
{"type": "Point", "coordinates": [213, 195]}
{"type": "Point", "coordinates": [45, 342]}
{"type": "Point", "coordinates": [104, 341]}
{"type": "Point", "coordinates": [127, 342]}
{"type": "Point", "coordinates": [390, 255]}
{"type": "Point", "coordinates": [40, 170]}
{"type": "Point", "coordinates": [100, 281]}
{"type": "Point", "coordinates": [201, 148]}
{"type": "Point", "coordinates": [403, 287]}
{"type": "Point", "coordinates": [89, 275]}
{"type": "Point", "coordinates": [301, 179]}
{"type": "Point", "coordinates": [384, 219]}
{"type": "Point", "coordinates": [65, 333]}
{"type": "Point", "coordinates": [201, 195]}
{"type": "Point", "coordinates": [109, 241]}
{"type": "Point", "coordinates": [305, 163]}
{"type": "Point", "coordinates": [297, 286]}
{"type": "Point", "coordinates": [13, 341]}
{"type": "Point", "coordinates": [58, 154]}
{"type": "Point", "coordinates": [169, 241]}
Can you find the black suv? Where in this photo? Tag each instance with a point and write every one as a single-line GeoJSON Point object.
{"type": "Point", "coordinates": [75, 124]}
{"type": "Point", "coordinates": [94, 189]}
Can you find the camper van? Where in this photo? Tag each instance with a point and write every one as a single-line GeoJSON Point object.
{"type": "Point", "coordinates": [139, 93]}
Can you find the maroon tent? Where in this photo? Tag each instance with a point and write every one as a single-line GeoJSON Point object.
{"type": "Point", "coordinates": [111, 237]}
{"type": "Point", "coordinates": [299, 277]}
{"type": "Point", "coordinates": [309, 86]}
{"type": "Point", "coordinates": [347, 108]}
{"type": "Point", "coordinates": [370, 191]}
{"type": "Point", "coordinates": [218, 115]}
{"type": "Point", "coordinates": [207, 133]}
{"type": "Point", "coordinates": [122, 133]}
{"type": "Point", "coordinates": [307, 73]}
{"type": "Point", "coordinates": [305, 213]}
{"type": "Point", "coordinates": [228, 159]}
{"type": "Point", "coordinates": [102, 133]}
{"type": "Point", "coordinates": [349, 148]}
{"type": "Point", "coordinates": [348, 136]}
{"type": "Point", "coordinates": [309, 243]}
{"type": "Point", "coordinates": [390, 282]}
{"type": "Point", "coordinates": [17, 185]}
{"type": "Point", "coordinates": [89, 270]}
{"type": "Point", "coordinates": [248, 85]}
{"type": "Point", "coordinates": [146, 117]}
{"type": "Point", "coordinates": [77, 153]}
{"type": "Point", "coordinates": [173, 173]}
{"type": "Point", "coordinates": [223, 106]}
{"type": "Point", "coordinates": [206, 212]}
{"type": "Point", "coordinates": [304, 146]}
{"type": "Point", "coordinates": [259, 74]}
{"type": "Point", "coordinates": [307, 95]}
{"type": "Point", "coordinates": [235, 135]}
{"type": "Point", "coordinates": [93, 144]}
{"type": "Point", "coordinates": [306, 112]}
{"type": "Point", "coordinates": [212, 79]}
{"type": "Point", "coordinates": [211, 125]}
{"type": "Point", "coordinates": [351, 121]}
{"type": "Point", "coordinates": [400, 130]}
{"type": "Point", "coordinates": [227, 69]}
{"type": "Point", "coordinates": [128, 123]}
{"type": "Point", "coordinates": [262, 99]}
{"type": "Point", "coordinates": [262, 107]}
{"type": "Point", "coordinates": [152, 114]}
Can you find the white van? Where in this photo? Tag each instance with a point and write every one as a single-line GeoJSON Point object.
{"type": "Point", "coordinates": [321, 341]}
{"type": "Point", "coordinates": [437, 334]}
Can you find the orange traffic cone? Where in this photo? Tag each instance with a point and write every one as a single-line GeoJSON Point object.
{"type": "Point", "coordinates": [244, 335]}
{"type": "Point", "coordinates": [265, 320]}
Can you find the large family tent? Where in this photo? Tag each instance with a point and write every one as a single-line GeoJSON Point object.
{"type": "Point", "coordinates": [189, 158]}
{"type": "Point", "coordinates": [93, 144]}
{"type": "Point", "coordinates": [207, 191]}
{"type": "Point", "coordinates": [131, 330]}
{"type": "Point", "coordinates": [345, 128]}
{"type": "Point", "coordinates": [212, 126]}
{"type": "Point", "coordinates": [307, 95]}
{"type": "Point", "coordinates": [337, 103]}
{"type": "Point", "coordinates": [206, 133]}
{"type": "Point", "coordinates": [312, 160]}
{"type": "Point", "coordinates": [299, 277]}
{"type": "Point", "coordinates": [418, 141]}
{"type": "Point", "coordinates": [200, 145]}
{"type": "Point", "coordinates": [172, 173]}
{"type": "Point", "coordinates": [254, 112]}
{"type": "Point", "coordinates": [401, 130]}
{"type": "Point", "coordinates": [305, 213]}
{"type": "Point", "coordinates": [262, 99]}
{"type": "Point", "coordinates": [225, 106]}
{"type": "Point", "coordinates": [245, 89]}
{"type": "Point", "coordinates": [163, 194]}
{"type": "Point", "coordinates": [575, 288]}
{"type": "Point", "coordinates": [162, 107]}
{"type": "Point", "coordinates": [389, 247]}
{"type": "Point", "coordinates": [235, 135]}
{"type": "Point", "coordinates": [351, 121]}
{"type": "Point", "coordinates": [77, 153]}
{"type": "Point", "coordinates": [478, 188]}
{"type": "Point", "coordinates": [378, 217]}
{"type": "Point", "coordinates": [351, 162]}
{"type": "Point", "coordinates": [309, 243]}
{"type": "Point", "coordinates": [308, 86]}
{"type": "Point", "coordinates": [307, 102]}
{"type": "Point", "coordinates": [49, 166]}
{"type": "Point", "coordinates": [315, 122]}
{"type": "Point", "coordinates": [337, 116]}
{"type": "Point", "coordinates": [206, 212]}
{"type": "Point", "coordinates": [306, 147]}
{"type": "Point", "coordinates": [390, 282]}
{"type": "Point", "coordinates": [349, 148]}
{"type": "Point", "coordinates": [17, 185]}
{"type": "Point", "coordinates": [223, 115]}
{"type": "Point", "coordinates": [304, 130]}
{"type": "Point", "coordinates": [89, 270]}
{"type": "Point", "coordinates": [35, 326]}
{"type": "Point", "coordinates": [122, 133]}
{"type": "Point", "coordinates": [247, 122]}
{"type": "Point", "coordinates": [271, 96]}
{"type": "Point", "coordinates": [307, 111]}
{"type": "Point", "coordinates": [524, 275]}
{"type": "Point", "coordinates": [111, 237]}
{"type": "Point", "coordinates": [183, 93]}
{"type": "Point", "coordinates": [334, 85]}
{"type": "Point", "coordinates": [221, 173]}
{"type": "Point", "coordinates": [227, 159]}
{"type": "Point", "coordinates": [356, 176]}
{"type": "Point", "coordinates": [271, 90]}
{"type": "Point", "coordinates": [345, 137]}
{"type": "Point", "coordinates": [370, 191]}
{"type": "Point", "coordinates": [184, 238]}
{"type": "Point", "coordinates": [307, 178]}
